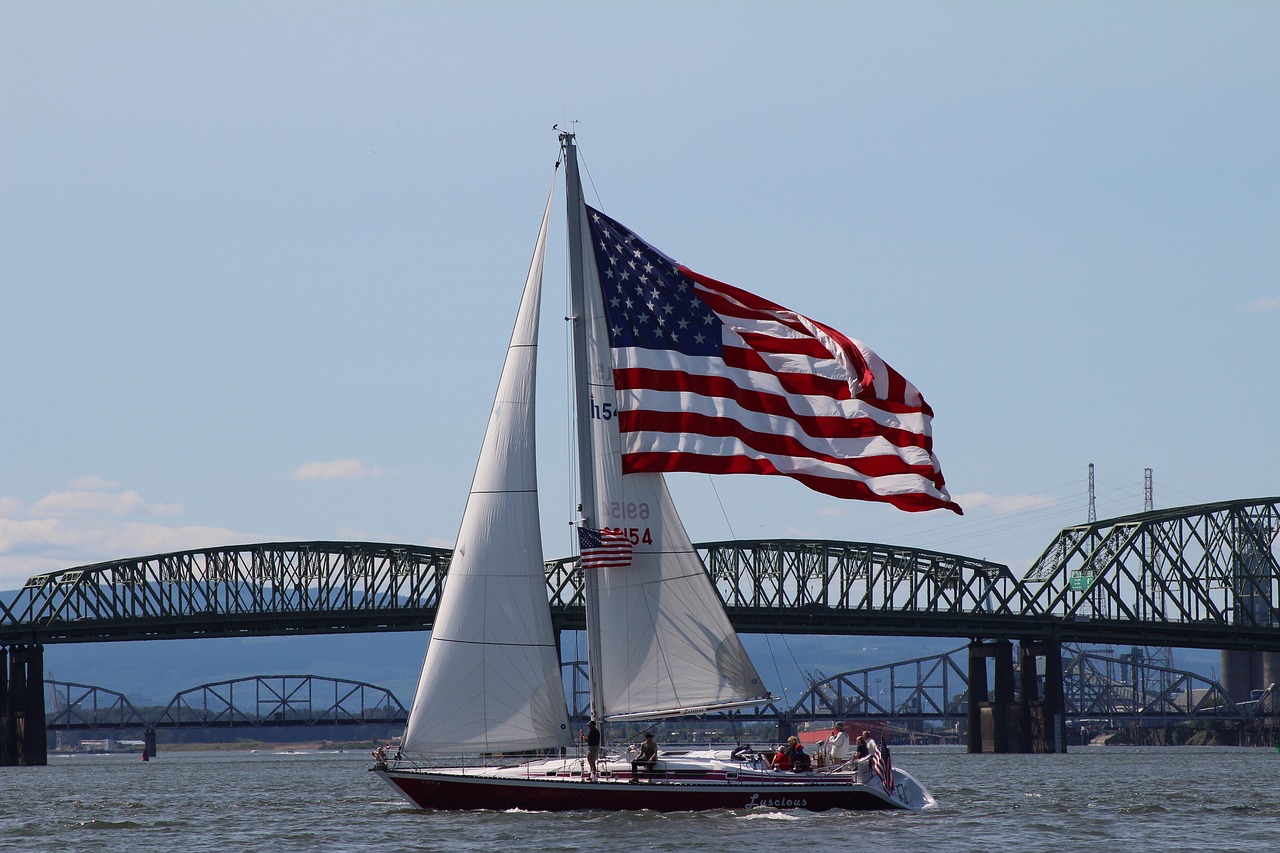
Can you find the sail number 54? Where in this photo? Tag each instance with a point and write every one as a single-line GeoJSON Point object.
{"type": "Point", "coordinates": [631, 510]}
{"type": "Point", "coordinates": [636, 535]}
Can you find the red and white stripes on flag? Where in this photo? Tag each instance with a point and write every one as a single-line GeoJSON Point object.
{"type": "Point", "coordinates": [882, 766]}
{"type": "Point", "coordinates": [714, 379]}
{"type": "Point", "coordinates": [609, 548]}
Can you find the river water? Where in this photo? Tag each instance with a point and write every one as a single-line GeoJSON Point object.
{"type": "Point", "coordinates": [1093, 799]}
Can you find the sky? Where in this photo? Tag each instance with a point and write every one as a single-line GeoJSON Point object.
{"type": "Point", "coordinates": [259, 261]}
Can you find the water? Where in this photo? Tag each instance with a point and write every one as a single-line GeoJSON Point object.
{"type": "Point", "coordinates": [1092, 799]}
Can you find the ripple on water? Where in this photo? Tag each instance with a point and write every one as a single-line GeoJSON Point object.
{"type": "Point", "coordinates": [1102, 799]}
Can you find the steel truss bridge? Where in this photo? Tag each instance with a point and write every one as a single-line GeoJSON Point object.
{"type": "Point", "coordinates": [928, 688]}
{"type": "Point", "coordinates": [1203, 576]}
{"type": "Point", "coordinates": [1096, 685]}
{"type": "Point", "coordinates": [263, 700]}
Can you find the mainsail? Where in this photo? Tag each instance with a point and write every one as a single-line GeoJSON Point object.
{"type": "Point", "coordinates": [491, 679]}
{"type": "Point", "coordinates": [669, 648]}
{"type": "Point", "coordinates": [661, 643]}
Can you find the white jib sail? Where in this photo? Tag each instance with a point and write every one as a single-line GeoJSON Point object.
{"type": "Point", "coordinates": [491, 680]}
{"type": "Point", "coordinates": [668, 647]}
{"type": "Point", "coordinates": [666, 644]}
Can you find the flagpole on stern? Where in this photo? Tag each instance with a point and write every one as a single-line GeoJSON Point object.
{"type": "Point", "coordinates": [574, 206]}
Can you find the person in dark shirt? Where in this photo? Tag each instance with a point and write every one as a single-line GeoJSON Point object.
{"type": "Point", "coordinates": [647, 757]}
{"type": "Point", "coordinates": [800, 761]}
{"type": "Point", "coordinates": [592, 738]}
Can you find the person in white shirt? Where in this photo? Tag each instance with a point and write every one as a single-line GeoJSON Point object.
{"type": "Point", "coordinates": [837, 745]}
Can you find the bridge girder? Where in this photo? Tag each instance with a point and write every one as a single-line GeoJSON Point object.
{"type": "Point", "coordinates": [282, 700]}
{"type": "Point", "coordinates": [1209, 568]}
{"type": "Point", "coordinates": [84, 706]}
{"type": "Point", "coordinates": [1201, 576]}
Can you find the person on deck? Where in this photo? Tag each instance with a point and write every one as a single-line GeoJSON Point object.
{"type": "Point", "coordinates": [785, 756]}
{"type": "Point", "coordinates": [647, 756]}
{"type": "Point", "coordinates": [837, 745]}
{"type": "Point", "coordinates": [800, 761]}
{"type": "Point", "coordinates": [861, 755]}
{"type": "Point", "coordinates": [592, 738]}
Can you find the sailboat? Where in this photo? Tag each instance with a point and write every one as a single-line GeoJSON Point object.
{"type": "Point", "coordinates": [659, 642]}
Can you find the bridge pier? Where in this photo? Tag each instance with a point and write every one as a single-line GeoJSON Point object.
{"type": "Point", "coordinates": [1043, 718]}
{"type": "Point", "coordinates": [989, 716]}
{"type": "Point", "coordinates": [1039, 724]}
{"type": "Point", "coordinates": [977, 694]}
{"type": "Point", "coordinates": [22, 719]}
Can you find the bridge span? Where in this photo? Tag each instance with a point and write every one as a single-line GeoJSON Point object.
{"type": "Point", "coordinates": [1204, 576]}
{"type": "Point", "coordinates": [1130, 691]}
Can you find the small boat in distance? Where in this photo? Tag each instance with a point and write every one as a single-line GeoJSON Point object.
{"type": "Point", "coordinates": [657, 352]}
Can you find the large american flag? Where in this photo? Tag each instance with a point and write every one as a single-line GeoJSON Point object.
{"type": "Point", "coordinates": [608, 548]}
{"type": "Point", "coordinates": [882, 765]}
{"type": "Point", "coordinates": [713, 379]}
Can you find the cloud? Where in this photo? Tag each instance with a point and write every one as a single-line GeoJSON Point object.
{"type": "Point", "coordinates": [48, 545]}
{"type": "Point", "coordinates": [338, 469]}
{"type": "Point", "coordinates": [1002, 504]}
{"type": "Point", "coordinates": [92, 483]}
{"type": "Point", "coordinates": [100, 503]}
{"type": "Point", "coordinates": [92, 522]}
{"type": "Point", "coordinates": [19, 535]}
{"type": "Point", "coordinates": [1271, 303]}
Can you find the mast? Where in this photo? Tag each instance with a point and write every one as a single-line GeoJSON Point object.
{"type": "Point", "coordinates": [582, 401]}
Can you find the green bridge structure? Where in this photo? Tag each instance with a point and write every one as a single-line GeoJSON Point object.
{"type": "Point", "coordinates": [1202, 576]}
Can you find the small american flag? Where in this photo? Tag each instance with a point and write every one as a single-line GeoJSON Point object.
{"type": "Point", "coordinates": [882, 764]}
{"type": "Point", "coordinates": [716, 380]}
{"type": "Point", "coordinates": [608, 548]}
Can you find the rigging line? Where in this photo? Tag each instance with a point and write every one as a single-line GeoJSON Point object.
{"type": "Point", "coordinates": [777, 670]}
{"type": "Point", "coordinates": [732, 533]}
{"type": "Point", "coordinates": [582, 160]}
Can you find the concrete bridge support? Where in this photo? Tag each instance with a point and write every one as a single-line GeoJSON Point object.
{"type": "Point", "coordinates": [22, 720]}
{"type": "Point", "coordinates": [990, 715]}
{"type": "Point", "coordinates": [1032, 723]}
{"type": "Point", "coordinates": [1042, 718]}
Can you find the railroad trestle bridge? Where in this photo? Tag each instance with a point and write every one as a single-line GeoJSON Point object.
{"type": "Point", "coordinates": [1203, 576]}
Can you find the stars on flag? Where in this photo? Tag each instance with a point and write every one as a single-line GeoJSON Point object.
{"type": "Point", "coordinates": [607, 548]}
{"type": "Point", "coordinates": [649, 302]}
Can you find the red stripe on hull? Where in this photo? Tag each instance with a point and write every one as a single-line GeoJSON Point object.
{"type": "Point", "coordinates": [460, 793]}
